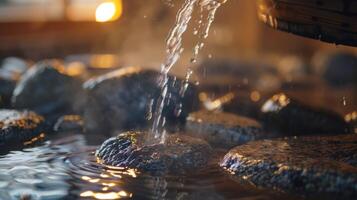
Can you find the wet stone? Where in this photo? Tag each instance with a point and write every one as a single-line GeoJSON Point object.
{"type": "Point", "coordinates": [69, 123]}
{"type": "Point", "coordinates": [20, 127]}
{"type": "Point", "coordinates": [223, 129]}
{"type": "Point", "coordinates": [312, 166]}
{"type": "Point", "coordinates": [123, 100]}
{"type": "Point", "coordinates": [180, 154]}
{"type": "Point", "coordinates": [46, 88]}
{"type": "Point", "coordinates": [291, 117]}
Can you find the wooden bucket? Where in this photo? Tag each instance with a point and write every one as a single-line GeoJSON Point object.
{"type": "Point", "coordinates": [332, 21]}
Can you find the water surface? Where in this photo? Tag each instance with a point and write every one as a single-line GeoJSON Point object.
{"type": "Point", "coordinates": [64, 167]}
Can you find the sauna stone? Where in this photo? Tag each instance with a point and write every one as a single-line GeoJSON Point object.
{"type": "Point", "coordinates": [315, 165]}
{"type": "Point", "coordinates": [46, 89]}
{"type": "Point", "coordinates": [291, 117]}
{"type": "Point", "coordinates": [223, 129]}
{"type": "Point", "coordinates": [123, 100]}
{"type": "Point", "coordinates": [20, 127]}
{"type": "Point", "coordinates": [180, 154]}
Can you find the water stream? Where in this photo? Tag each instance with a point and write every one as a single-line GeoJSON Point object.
{"type": "Point", "coordinates": [174, 50]}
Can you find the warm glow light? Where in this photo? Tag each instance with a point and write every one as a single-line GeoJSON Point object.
{"type": "Point", "coordinates": [255, 96]}
{"type": "Point", "coordinates": [109, 11]}
{"type": "Point", "coordinates": [104, 196]}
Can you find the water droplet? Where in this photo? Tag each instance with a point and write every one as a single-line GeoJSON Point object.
{"type": "Point", "coordinates": [344, 101]}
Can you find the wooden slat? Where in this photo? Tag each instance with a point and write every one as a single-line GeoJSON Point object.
{"type": "Point", "coordinates": [308, 19]}
{"type": "Point", "coordinates": [332, 5]}
{"type": "Point", "coordinates": [309, 15]}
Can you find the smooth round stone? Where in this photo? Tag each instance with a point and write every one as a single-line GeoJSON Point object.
{"type": "Point", "coordinates": [291, 117]}
{"type": "Point", "coordinates": [125, 99]}
{"type": "Point", "coordinates": [46, 88]}
{"type": "Point", "coordinates": [179, 154]}
{"type": "Point", "coordinates": [307, 165]}
{"type": "Point", "coordinates": [223, 129]}
{"type": "Point", "coordinates": [20, 127]}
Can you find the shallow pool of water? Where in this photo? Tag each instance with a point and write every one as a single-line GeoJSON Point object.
{"type": "Point", "coordinates": [64, 167]}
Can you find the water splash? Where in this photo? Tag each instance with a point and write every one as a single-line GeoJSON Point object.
{"type": "Point", "coordinates": [174, 50]}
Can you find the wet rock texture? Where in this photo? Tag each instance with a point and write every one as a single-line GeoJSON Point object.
{"type": "Point", "coordinates": [123, 99]}
{"type": "Point", "coordinates": [307, 165]}
{"type": "Point", "coordinates": [289, 116]}
{"type": "Point", "coordinates": [17, 127]}
{"type": "Point", "coordinates": [223, 129]}
{"type": "Point", "coordinates": [179, 154]}
{"type": "Point", "coordinates": [46, 89]}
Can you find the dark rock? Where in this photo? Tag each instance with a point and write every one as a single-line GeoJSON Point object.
{"type": "Point", "coordinates": [223, 129]}
{"type": "Point", "coordinates": [46, 89]}
{"type": "Point", "coordinates": [341, 69]}
{"type": "Point", "coordinates": [308, 165]}
{"type": "Point", "coordinates": [179, 154]}
{"type": "Point", "coordinates": [246, 104]}
{"type": "Point", "coordinates": [123, 100]}
{"type": "Point", "coordinates": [20, 127]}
{"type": "Point", "coordinates": [243, 103]}
{"type": "Point", "coordinates": [69, 123]}
{"type": "Point", "coordinates": [292, 117]}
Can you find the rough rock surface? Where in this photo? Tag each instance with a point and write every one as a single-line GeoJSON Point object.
{"type": "Point", "coordinates": [18, 127]}
{"type": "Point", "coordinates": [46, 89]}
{"type": "Point", "coordinates": [223, 129]}
{"type": "Point", "coordinates": [291, 117]}
{"type": "Point", "coordinates": [179, 154]}
{"type": "Point", "coordinates": [123, 100]}
{"type": "Point", "coordinates": [307, 165]}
